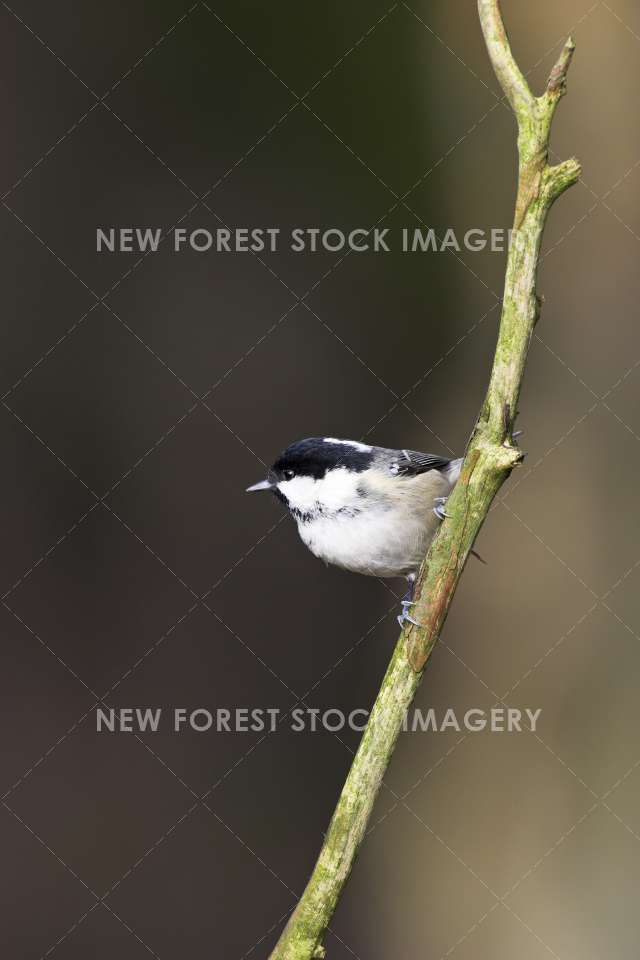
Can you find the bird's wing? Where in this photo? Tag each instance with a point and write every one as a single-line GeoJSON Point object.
{"type": "Point", "coordinates": [409, 463]}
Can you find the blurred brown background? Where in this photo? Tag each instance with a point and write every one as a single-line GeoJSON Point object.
{"type": "Point", "coordinates": [142, 395]}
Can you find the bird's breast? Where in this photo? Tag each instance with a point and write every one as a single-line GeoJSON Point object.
{"type": "Point", "coordinates": [386, 543]}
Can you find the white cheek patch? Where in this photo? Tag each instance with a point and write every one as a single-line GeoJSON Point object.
{"type": "Point", "coordinates": [337, 489]}
{"type": "Point", "coordinates": [300, 492]}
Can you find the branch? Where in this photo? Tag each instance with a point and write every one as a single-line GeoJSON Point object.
{"type": "Point", "coordinates": [506, 69]}
{"type": "Point", "coordinates": [490, 457]}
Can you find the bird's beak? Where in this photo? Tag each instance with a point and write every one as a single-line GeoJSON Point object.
{"type": "Point", "coordinates": [263, 485]}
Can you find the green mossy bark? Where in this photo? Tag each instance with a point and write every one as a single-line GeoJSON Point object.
{"type": "Point", "coordinates": [490, 457]}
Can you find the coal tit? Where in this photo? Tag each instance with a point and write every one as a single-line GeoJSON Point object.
{"type": "Point", "coordinates": [367, 509]}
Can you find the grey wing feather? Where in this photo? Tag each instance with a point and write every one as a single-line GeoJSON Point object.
{"type": "Point", "coordinates": [410, 463]}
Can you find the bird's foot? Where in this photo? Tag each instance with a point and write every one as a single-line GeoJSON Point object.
{"type": "Point", "coordinates": [439, 507]}
{"type": "Point", "coordinates": [404, 616]}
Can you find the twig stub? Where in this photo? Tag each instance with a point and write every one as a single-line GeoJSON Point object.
{"type": "Point", "coordinates": [557, 82]}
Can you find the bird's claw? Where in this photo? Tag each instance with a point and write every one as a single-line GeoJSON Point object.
{"type": "Point", "coordinates": [439, 508]}
{"type": "Point", "coordinates": [404, 616]}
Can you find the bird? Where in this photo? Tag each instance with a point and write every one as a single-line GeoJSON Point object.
{"type": "Point", "coordinates": [370, 510]}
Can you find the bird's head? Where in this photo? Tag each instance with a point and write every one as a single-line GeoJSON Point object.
{"type": "Point", "coordinates": [319, 475]}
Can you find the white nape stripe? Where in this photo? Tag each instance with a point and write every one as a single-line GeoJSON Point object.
{"type": "Point", "coordinates": [364, 447]}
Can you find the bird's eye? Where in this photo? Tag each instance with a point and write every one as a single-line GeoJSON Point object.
{"type": "Point", "coordinates": [288, 474]}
